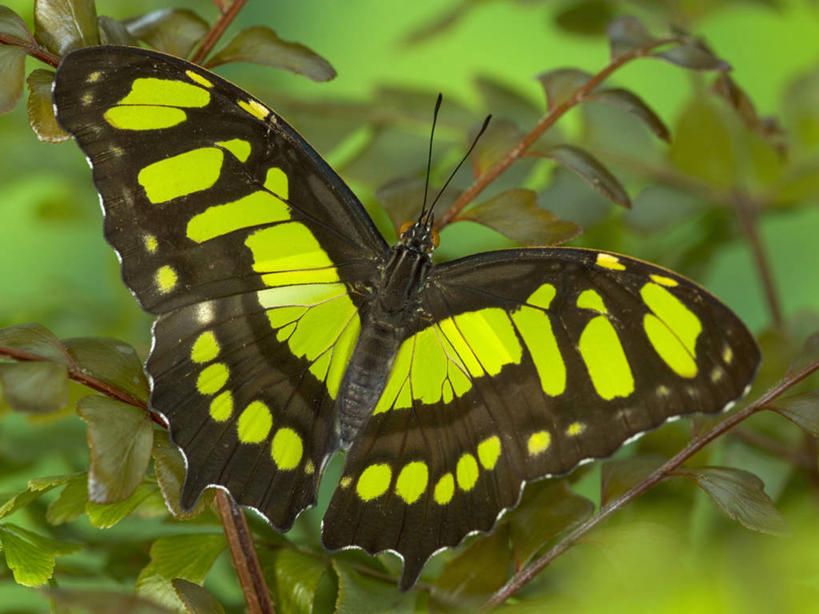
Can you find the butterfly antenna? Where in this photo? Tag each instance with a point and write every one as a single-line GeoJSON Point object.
{"type": "Point", "coordinates": [428, 219]}
{"type": "Point", "coordinates": [429, 155]}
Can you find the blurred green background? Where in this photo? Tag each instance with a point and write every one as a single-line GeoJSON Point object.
{"type": "Point", "coordinates": [670, 553]}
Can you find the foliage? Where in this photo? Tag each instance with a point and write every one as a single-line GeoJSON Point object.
{"type": "Point", "coordinates": [108, 534]}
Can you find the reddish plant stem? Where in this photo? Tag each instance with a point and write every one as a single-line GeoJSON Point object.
{"type": "Point", "coordinates": [237, 532]}
{"type": "Point", "coordinates": [548, 120]}
{"type": "Point", "coordinates": [747, 213]}
{"type": "Point", "coordinates": [31, 48]}
{"type": "Point", "coordinates": [520, 579]}
{"type": "Point", "coordinates": [245, 560]}
{"type": "Point", "coordinates": [215, 33]}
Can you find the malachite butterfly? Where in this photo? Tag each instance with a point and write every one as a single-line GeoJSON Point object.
{"type": "Point", "coordinates": [287, 328]}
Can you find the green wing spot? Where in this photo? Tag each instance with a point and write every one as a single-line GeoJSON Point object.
{"type": "Point", "coordinates": [489, 450]}
{"type": "Point", "coordinates": [221, 407]}
{"type": "Point", "coordinates": [591, 299]}
{"type": "Point", "coordinates": [255, 209]}
{"type": "Point", "coordinates": [575, 429]}
{"type": "Point", "coordinates": [166, 92]}
{"type": "Point", "coordinates": [444, 489]}
{"type": "Point", "coordinates": [255, 423]}
{"type": "Point", "coordinates": [182, 174]}
{"type": "Point", "coordinates": [542, 297]}
{"type": "Point", "coordinates": [165, 279]}
{"type": "Point", "coordinates": [484, 340]}
{"type": "Point", "coordinates": [538, 443]}
{"type": "Point", "coordinates": [535, 327]}
{"type": "Point", "coordinates": [150, 243]}
{"type": "Point", "coordinates": [256, 109]}
{"type": "Point", "coordinates": [144, 117]}
{"type": "Point", "coordinates": [605, 359]}
{"type": "Point", "coordinates": [669, 346]}
{"type": "Point", "coordinates": [212, 378]}
{"type": "Point", "coordinates": [373, 481]}
{"type": "Point", "coordinates": [287, 449]}
{"type": "Point", "coordinates": [679, 318]}
{"type": "Point", "coordinates": [238, 147]}
{"type": "Point", "coordinates": [342, 350]}
{"type": "Point", "coordinates": [205, 348]}
{"type": "Point", "coordinates": [466, 472]}
{"type": "Point", "coordinates": [290, 254]}
{"type": "Point", "coordinates": [195, 76]}
{"type": "Point", "coordinates": [609, 261]}
{"type": "Point", "coordinates": [664, 281]}
{"type": "Point", "coordinates": [412, 481]}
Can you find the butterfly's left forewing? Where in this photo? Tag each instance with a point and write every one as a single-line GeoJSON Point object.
{"type": "Point", "coordinates": [530, 361]}
{"type": "Point", "coordinates": [245, 243]}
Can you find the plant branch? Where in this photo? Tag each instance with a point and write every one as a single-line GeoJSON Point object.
{"type": "Point", "coordinates": [237, 532]}
{"type": "Point", "coordinates": [32, 48]}
{"type": "Point", "coordinates": [244, 555]}
{"type": "Point", "coordinates": [212, 37]}
{"type": "Point", "coordinates": [521, 578]}
{"type": "Point", "coordinates": [547, 121]}
{"type": "Point", "coordinates": [747, 213]}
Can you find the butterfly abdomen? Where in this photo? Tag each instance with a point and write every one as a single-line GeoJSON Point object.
{"type": "Point", "coordinates": [390, 318]}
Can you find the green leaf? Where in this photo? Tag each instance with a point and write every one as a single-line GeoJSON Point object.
{"type": "Point", "coordinates": [561, 84]}
{"type": "Point", "coordinates": [70, 503]}
{"type": "Point", "coordinates": [36, 488]}
{"type": "Point", "coordinates": [102, 602]}
{"type": "Point", "coordinates": [631, 103]}
{"type": "Point", "coordinates": [12, 72]}
{"type": "Point", "coordinates": [586, 18]}
{"type": "Point", "coordinates": [106, 515]}
{"type": "Point", "coordinates": [169, 467]}
{"type": "Point", "coordinates": [11, 24]}
{"type": "Point", "coordinates": [114, 32]}
{"type": "Point", "coordinates": [189, 557]}
{"type": "Point", "coordinates": [500, 137]}
{"type": "Point", "coordinates": [741, 495]}
{"type": "Point", "coordinates": [196, 599]}
{"type": "Point", "coordinates": [261, 45]}
{"type": "Point", "coordinates": [64, 25]}
{"type": "Point", "coordinates": [659, 207]}
{"type": "Point", "coordinates": [515, 214]}
{"type": "Point", "coordinates": [173, 31]}
{"type": "Point", "coordinates": [293, 577]}
{"type": "Point", "coordinates": [34, 339]}
{"type": "Point", "coordinates": [475, 573]}
{"type": "Point", "coordinates": [590, 170]}
{"type": "Point", "coordinates": [703, 144]}
{"type": "Point", "coordinates": [504, 101]}
{"type": "Point", "coordinates": [547, 509]}
{"type": "Point", "coordinates": [619, 475]}
{"type": "Point", "coordinates": [120, 437]}
{"type": "Point", "coordinates": [35, 387]}
{"type": "Point", "coordinates": [110, 360]}
{"type": "Point", "coordinates": [41, 110]}
{"type": "Point", "coordinates": [626, 34]}
{"type": "Point", "coordinates": [693, 54]}
{"type": "Point", "coordinates": [359, 593]}
{"type": "Point", "coordinates": [801, 409]}
{"type": "Point", "coordinates": [31, 556]}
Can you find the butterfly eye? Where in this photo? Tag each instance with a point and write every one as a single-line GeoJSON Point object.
{"type": "Point", "coordinates": [404, 228]}
{"type": "Point", "coordinates": [436, 238]}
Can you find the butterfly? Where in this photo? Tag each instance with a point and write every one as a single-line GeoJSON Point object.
{"type": "Point", "coordinates": [287, 328]}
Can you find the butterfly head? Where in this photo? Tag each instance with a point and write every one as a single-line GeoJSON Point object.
{"type": "Point", "coordinates": [419, 236]}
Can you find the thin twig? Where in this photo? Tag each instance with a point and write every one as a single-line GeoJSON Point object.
{"type": "Point", "coordinates": [237, 532]}
{"type": "Point", "coordinates": [747, 213]}
{"type": "Point", "coordinates": [546, 122]}
{"type": "Point", "coordinates": [31, 48]}
{"type": "Point", "coordinates": [215, 33]}
{"type": "Point", "coordinates": [245, 560]}
{"type": "Point", "coordinates": [521, 578]}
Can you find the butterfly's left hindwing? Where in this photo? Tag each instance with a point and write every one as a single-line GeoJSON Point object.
{"type": "Point", "coordinates": [246, 244]}
{"type": "Point", "coordinates": [531, 361]}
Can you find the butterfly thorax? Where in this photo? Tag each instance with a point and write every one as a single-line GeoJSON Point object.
{"type": "Point", "coordinates": [392, 313]}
